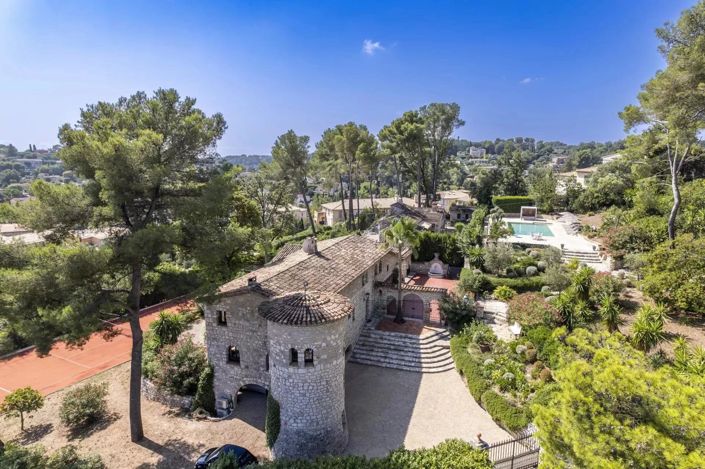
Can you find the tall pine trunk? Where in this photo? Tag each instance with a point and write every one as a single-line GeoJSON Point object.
{"type": "Point", "coordinates": [308, 211]}
{"type": "Point", "coordinates": [399, 318]}
{"type": "Point", "coordinates": [351, 213]}
{"type": "Point", "coordinates": [676, 205]}
{"type": "Point", "coordinates": [133, 300]}
{"type": "Point", "coordinates": [418, 183]}
{"type": "Point", "coordinates": [342, 198]}
{"type": "Point", "coordinates": [434, 180]}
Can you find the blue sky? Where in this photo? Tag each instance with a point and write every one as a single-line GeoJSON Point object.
{"type": "Point", "coordinates": [555, 70]}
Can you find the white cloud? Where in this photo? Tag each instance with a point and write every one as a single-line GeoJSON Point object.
{"type": "Point", "coordinates": [370, 47]}
{"type": "Point", "coordinates": [529, 80]}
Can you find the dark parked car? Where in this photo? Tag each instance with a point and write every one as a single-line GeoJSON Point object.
{"type": "Point", "coordinates": [242, 456]}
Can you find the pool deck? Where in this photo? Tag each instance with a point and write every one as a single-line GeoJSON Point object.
{"type": "Point", "coordinates": [560, 236]}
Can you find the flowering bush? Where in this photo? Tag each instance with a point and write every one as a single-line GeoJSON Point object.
{"type": "Point", "coordinates": [531, 309]}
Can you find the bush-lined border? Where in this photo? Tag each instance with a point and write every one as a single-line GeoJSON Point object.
{"type": "Point", "coordinates": [502, 411]}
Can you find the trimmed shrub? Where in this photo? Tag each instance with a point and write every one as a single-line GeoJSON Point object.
{"type": "Point", "coordinates": [68, 458]}
{"type": "Point", "coordinates": [473, 282]}
{"type": "Point", "coordinates": [512, 203]}
{"type": "Point", "coordinates": [179, 366]}
{"type": "Point", "coordinates": [519, 285]}
{"type": "Point", "coordinates": [531, 309]}
{"type": "Point", "coordinates": [205, 395]}
{"type": "Point", "coordinates": [545, 375]}
{"type": "Point", "coordinates": [531, 271]}
{"type": "Point", "coordinates": [504, 412]}
{"type": "Point", "coordinates": [503, 293]}
{"type": "Point", "coordinates": [225, 461]}
{"type": "Point", "coordinates": [272, 423]}
{"type": "Point", "coordinates": [467, 366]}
{"type": "Point", "coordinates": [458, 311]}
{"type": "Point", "coordinates": [15, 456]}
{"type": "Point", "coordinates": [542, 266]}
{"type": "Point", "coordinates": [456, 454]}
{"type": "Point", "coordinates": [84, 406]}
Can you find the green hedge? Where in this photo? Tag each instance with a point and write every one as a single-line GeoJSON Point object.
{"type": "Point", "coordinates": [504, 412]}
{"type": "Point", "coordinates": [453, 453]}
{"type": "Point", "coordinates": [518, 284]}
{"type": "Point", "coordinates": [205, 395]}
{"type": "Point", "coordinates": [512, 203]}
{"type": "Point", "coordinates": [445, 244]}
{"type": "Point", "coordinates": [272, 423]}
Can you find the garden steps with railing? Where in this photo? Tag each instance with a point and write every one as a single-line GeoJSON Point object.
{"type": "Point", "coordinates": [429, 353]}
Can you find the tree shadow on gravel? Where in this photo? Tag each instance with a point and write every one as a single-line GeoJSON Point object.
{"type": "Point", "coordinates": [34, 433]}
{"type": "Point", "coordinates": [173, 453]}
{"type": "Point", "coordinates": [85, 432]}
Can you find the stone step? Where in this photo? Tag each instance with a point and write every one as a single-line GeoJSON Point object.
{"type": "Point", "coordinates": [393, 351]}
{"type": "Point", "coordinates": [426, 354]}
{"type": "Point", "coordinates": [406, 338]}
{"type": "Point", "coordinates": [373, 343]}
{"type": "Point", "coordinates": [441, 335]}
{"type": "Point", "coordinates": [387, 356]}
{"type": "Point", "coordinates": [397, 366]}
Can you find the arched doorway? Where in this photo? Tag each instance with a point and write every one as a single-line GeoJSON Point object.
{"type": "Point", "coordinates": [391, 305]}
{"type": "Point", "coordinates": [251, 405]}
{"type": "Point", "coordinates": [413, 306]}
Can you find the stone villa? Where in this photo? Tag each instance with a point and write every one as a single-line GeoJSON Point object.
{"type": "Point", "coordinates": [290, 326]}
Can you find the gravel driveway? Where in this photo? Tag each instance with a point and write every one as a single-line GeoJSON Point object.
{"type": "Point", "coordinates": [387, 408]}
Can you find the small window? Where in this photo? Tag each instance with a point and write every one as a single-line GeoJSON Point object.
{"type": "Point", "coordinates": [266, 363]}
{"type": "Point", "coordinates": [308, 357]}
{"type": "Point", "coordinates": [380, 266]}
{"type": "Point", "coordinates": [365, 278]}
{"type": "Point", "coordinates": [387, 267]}
{"type": "Point", "coordinates": [222, 317]}
{"type": "Point", "coordinates": [293, 357]}
{"type": "Point", "coordinates": [233, 355]}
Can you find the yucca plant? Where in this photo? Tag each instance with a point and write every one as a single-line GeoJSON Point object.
{"type": "Point", "coordinates": [647, 331]}
{"type": "Point", "coordinates": [582, 281]}
{"type": "Point", "coordinates": [610, 312]}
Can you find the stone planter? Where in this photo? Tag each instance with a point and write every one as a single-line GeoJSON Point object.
{"type": "Point", "coordinates": [153, 393]}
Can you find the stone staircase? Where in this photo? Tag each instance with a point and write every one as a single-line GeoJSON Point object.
{"type": "Point", "coordinates": [587, 257]}
{"type": "Point", "coordinates": [422, 354]}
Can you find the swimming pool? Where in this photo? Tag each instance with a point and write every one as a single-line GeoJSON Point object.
{"type": "Point", "coordinates": [528, 229]}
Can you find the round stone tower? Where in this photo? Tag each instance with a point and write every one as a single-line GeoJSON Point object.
{"type": "Point", "coordinates": [306, 340]}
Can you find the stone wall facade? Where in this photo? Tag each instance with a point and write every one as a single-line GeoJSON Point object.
{"type": "Point", "coordinates": [153, 393]}
{"type": "Point", "coordinates": [245, 330]}
{"type": "Point", "coordinates": [311, 396]}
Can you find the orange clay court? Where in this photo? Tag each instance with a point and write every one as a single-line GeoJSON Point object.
{"type": "Point", "coordinates": [65, 365]}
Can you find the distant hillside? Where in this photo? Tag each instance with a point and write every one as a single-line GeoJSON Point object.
{"type": "Point", "coordinates": [249, 162]}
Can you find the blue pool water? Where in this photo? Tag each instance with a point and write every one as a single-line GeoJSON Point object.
{"type": "Point", "coordinates": [528, 229]}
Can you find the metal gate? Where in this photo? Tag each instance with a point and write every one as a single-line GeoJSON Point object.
{"type": "Point", "coordinates": [521, 452]}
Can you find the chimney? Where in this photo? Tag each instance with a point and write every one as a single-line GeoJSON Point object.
{"type": "Point", "coordinates": [309, 246]}
{"type": "Point", "coordinates": [252, 282]}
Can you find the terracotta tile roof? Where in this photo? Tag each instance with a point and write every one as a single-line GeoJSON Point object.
{"type": "Point", "coordinates": [338, 262]}
{"type": "Point", "coordinates": [410, 287]}
{"type": "Point", "coordinates": [288, 248]}
{"type": "Point", "coordinates": [306, 308]}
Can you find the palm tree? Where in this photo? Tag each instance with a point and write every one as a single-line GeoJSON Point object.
{"type": "Point", "coordinates": [401, 235]}
{"type": "Point", "coordinates": [610, 312]}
